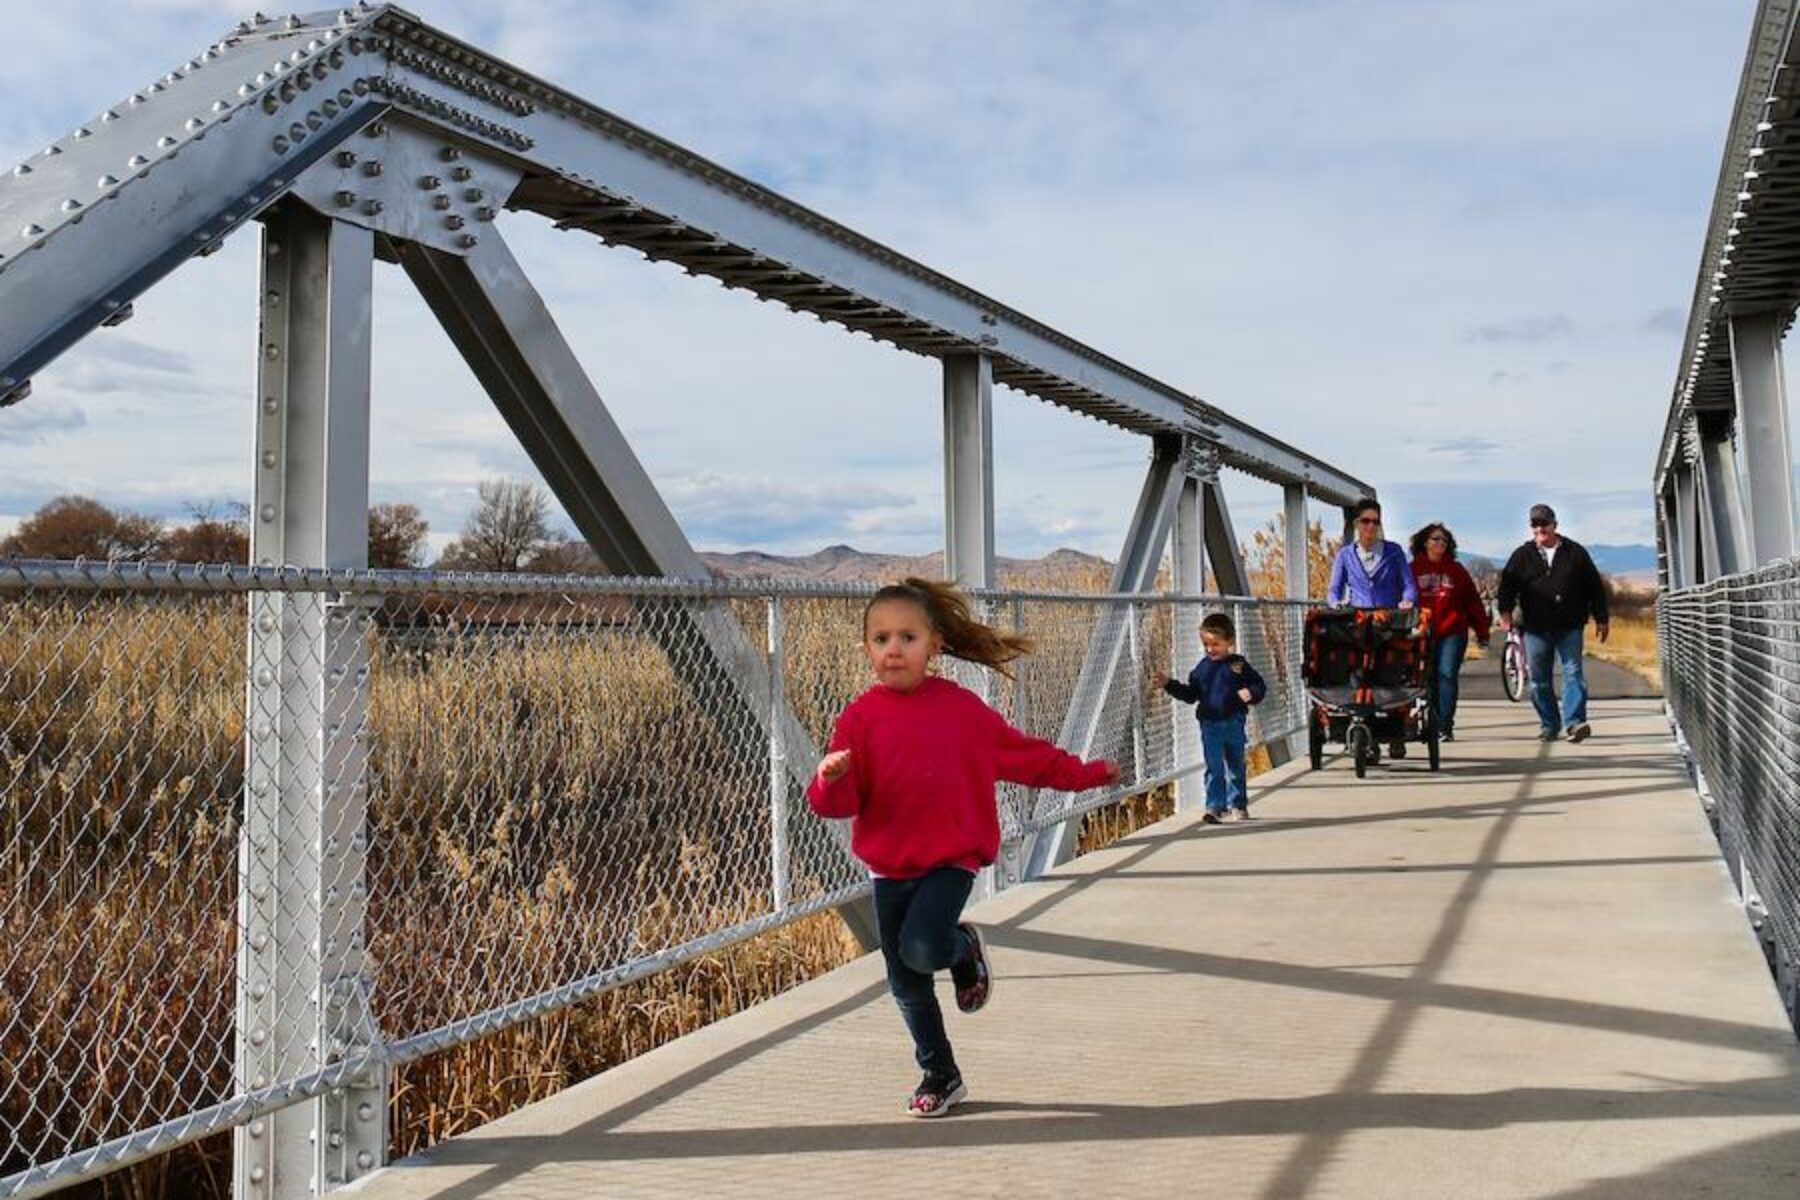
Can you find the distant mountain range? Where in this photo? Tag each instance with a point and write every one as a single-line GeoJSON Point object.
{"type": "Point", "coordinates": [1061, 570]}
{"type": "Point", "coordinates": [845, 564]}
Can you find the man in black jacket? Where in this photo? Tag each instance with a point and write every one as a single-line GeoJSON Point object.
{"type": "Point", "coordinates": [1556, 587]}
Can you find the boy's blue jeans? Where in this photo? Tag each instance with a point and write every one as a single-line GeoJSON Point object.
{"type": "Point", "coordinates": [1223, 742]}
{"type": "Point", "coordinates": [1565, 645]}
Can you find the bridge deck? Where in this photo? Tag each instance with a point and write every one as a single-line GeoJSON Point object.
{"type": "Point", "coordinates": [1524, 977]}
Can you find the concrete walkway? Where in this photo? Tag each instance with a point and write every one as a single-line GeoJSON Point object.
{"type": "Point", "coordinates": [1523, 977]}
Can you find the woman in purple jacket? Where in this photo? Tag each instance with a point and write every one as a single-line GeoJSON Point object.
{"type": "Point", "coordinates": [1371, 572]}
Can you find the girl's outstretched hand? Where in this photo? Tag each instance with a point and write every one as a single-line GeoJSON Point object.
{"type": "Point", "coordinates": [834, 766]}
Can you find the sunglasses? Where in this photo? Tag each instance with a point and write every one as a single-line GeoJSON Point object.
{"type": "Point", "coordinates": [1368, 520]}
{"type": "Point", "coordinates": [1542, 524]}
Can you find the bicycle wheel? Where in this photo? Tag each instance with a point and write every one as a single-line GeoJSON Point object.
{"type": "Point", "coordinates": [1512, 670]}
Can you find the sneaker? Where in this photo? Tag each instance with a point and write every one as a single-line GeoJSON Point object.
{"type": "Point", "coordinates": [1580, 731]}
{"type": "Point", "coordinates": [935, 1096]}
{"type": "Point", "coordinates": [973, 996]}
{"type": "Point", "coordinates": [1397, 750]}
{"type": "Point", "coordinates": [1209, 817]}
{"type": "Point", "coordinates": [1243, 814]}
{"type": "Point", "coordinates": [1546, 734]}
{"type": "Point", "coordinates": [1449, 735]}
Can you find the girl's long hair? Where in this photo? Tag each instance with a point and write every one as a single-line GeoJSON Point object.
{"type": "Point", "coordinates": [1419, 539]}
{"type": "Point", "coordinates": [948, 612]}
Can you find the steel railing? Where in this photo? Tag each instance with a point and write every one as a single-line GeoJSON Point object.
{"type": "Point", "coordinates": [1731, 672]}
{"type": "Point", "coordinates": [271, 833]}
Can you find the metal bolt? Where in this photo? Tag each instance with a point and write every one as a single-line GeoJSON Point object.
{"type": "Point", "coordinates": [346, 198]}
{"type": "Point", "coordinates": [372, 168]}
{"type": "Point", "coordinates": [450, 153]}
{"type": "Point", "coordinates": [364, 1159]}
{"type": "Point", "coordinates": [346, 158]}
{"type": "Point", "coordinates": [257, 1129]}
{"type": "Point", "coordinates": [462, 174]}
{"type": "Point", "coordinates": [270, 404]}
{"type": "Point", "coordinates": [256, 1175]}
{"type": "Point", "coordinates": [373, 207]}
{"type": "Point", "coordinates": [473, 195]}
{"type": "Point", "coordinates": [268, 512]}
{"type": "Point", "coordinates": [429, 183]}
{"type": "Point", "coordinates": [440, 202]}
{"type": "Point", "coordinates": [453, 221]}
{"type": "Point", "coordinates": [468, 241]}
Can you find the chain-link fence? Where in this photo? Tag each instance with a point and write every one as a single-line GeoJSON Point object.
{"type": "Point", "coordinates": [269, 834]}
{"type": "Point", "coordinates": [1731, 672]}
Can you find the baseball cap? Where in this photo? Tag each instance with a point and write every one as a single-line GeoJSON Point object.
{"type": "Point", "coordinates": [1543, 514]}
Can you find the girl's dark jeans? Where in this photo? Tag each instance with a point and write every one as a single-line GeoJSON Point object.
{"type": "Point", "coordinates": [917, 919]}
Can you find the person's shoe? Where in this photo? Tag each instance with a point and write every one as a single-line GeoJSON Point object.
{"type": "Point", "coordinates": [1449, 735]}
{"type": "Point", "coordinates": [1580, 731]}
{"type": "Point", "coordinates": [1546, 734]}
{"type": "Point", "coordinates": [1397, 750]}
{"type": "Point", "coordinates": [1243, 814]}
{"type": "Point", "coordinates": [935, 1096]}
{"type": "Point", "coordinates": [973, 996]}
{"type": "Point", "coordinates": [1209, 817]}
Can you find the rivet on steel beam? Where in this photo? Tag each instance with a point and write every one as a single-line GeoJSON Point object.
{"type": "Point", "coordinates": [83, 132]}
{"type": "Point", "coordinates": [22, 169]}
{"type": "Point", "coordinates": [268, 510]}
{"type": "Point", "coordinates": [484, 213]}
{"type": "Point", "coordinates": [70, 205]}
{"type": "Point", "coordinates": [280, 145]}
{"type": "Point", "coordinates": [346, 158]}
{"type": "Point", "coordinates": [194, 124]}
{"type": "Point", "coordinates": [450, 153]}
{"type": "Point", "coordinates": [453, 221]}
{"type": "Point", "coordinates": [256, 1175]}
{"type": "Point", "coordinates": [346, 198]}
{"type": "Point", "coordinates": [440, 202]}
{"type": "Point", "coordinates": [107, 181]}
{"type": "Point", "coordinates": [373, 207]}
{"type": "Point", "coordinates": [137, 161]}
{"type": "Point", "coordinates": [429, 183]}
{"type": "Point", "coordinates": [377, 129]}
{"type": "Point", "coordinates": [30, 231]}
{"type": "Point", "coordinates": [372, 168]}
{"type": "Point", "coordinates": [52, 151]}
{"type": "Point", "coordinates": [473, 195]}
{"type": "Point", "coordinates": [364, 1159]}
{"type": "Point", "coordinates": [314, 120]}
{"type": "Point", "coordinates": [164, 142]}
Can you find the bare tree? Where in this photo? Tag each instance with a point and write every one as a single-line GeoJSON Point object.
{"type": "Point", "coordinates": [397, 536]}
{"type": "Point", "coordinates": [211, 538]}
{"type": "Point", "coordinates": [511, 524]}
{"type": "Point", "coordinates": [81, 527]}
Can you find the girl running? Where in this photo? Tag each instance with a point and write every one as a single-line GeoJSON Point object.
{"type": "Point", "coordinates": [913, 762]}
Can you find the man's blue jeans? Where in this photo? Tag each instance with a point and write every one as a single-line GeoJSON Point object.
{"type": "Point", "coordinates": [1450, 652]}
{"type": "Point", "coordinates": [1223, 742]}
{"type": "Point", "coordinates": [1565, 645]}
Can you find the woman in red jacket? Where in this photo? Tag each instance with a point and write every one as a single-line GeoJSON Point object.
{"type": "Point", "coordinates": [1456, 609]}
{"type": "Point", "coordinates": [912, 763]}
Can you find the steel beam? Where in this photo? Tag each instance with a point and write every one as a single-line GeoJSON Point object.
{"type": "Point", "coordinates": [1139, 560]}
{"type": "Point", "coordinates": [1685, 550]}
{"type": "Point", "coordinates": [1296, 543]}
{"type": "Point", "coordinates": [969, 470]}
{"type": "Point", "coordinates": [1724, 507]}
{"type": "Point", "coordinates": [303, 995]}
{"type": "Point", "coordinates": [1189, 579]}
{"type": "Point", "coordinates": [1766, 461]}
{"type": "Point", "coordinates": [505, 332]}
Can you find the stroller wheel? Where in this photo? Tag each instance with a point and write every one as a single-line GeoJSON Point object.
{"type": "Point", "coordinates": [1361, 748]}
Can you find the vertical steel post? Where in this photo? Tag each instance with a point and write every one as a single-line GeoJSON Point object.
{"type": "Point", "coordinates": [778, 780]}
{"type": "Point", "coordinates": [303, 997]}
{"type": "Point", "coordinates": [969, 470]}
{"type": "Point", "coordinates": [1686, 526]}
{"type": "Point", "coordinates": [1189, 579]}
{"type": "Point", "coordinates": [1296, 547]}
{"type": "Point", "coordinates": [1766, 465]}
{"type": "Point", "coordinates": [1724, 505]}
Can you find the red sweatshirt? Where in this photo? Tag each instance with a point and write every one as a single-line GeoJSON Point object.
{"type": "Point", "coordinates": [920, 788]}
{"type": "Point", "coordinates": [1455, 602]}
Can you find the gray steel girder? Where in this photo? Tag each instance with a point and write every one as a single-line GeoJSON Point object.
{"type": "Point", "coordinates": [1145, 539]}
{"type": "Point", "coordinates": [504, 331]}
{"type": "Point", "coordinates": [184, 163]}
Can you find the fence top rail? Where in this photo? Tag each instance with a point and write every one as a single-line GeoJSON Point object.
{"type": "Point", "coordinates": [1783, 571]}
{"type": "Point", "coordinates": [19, 574]}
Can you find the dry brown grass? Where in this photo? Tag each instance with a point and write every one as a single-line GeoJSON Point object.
{"type": "Point", "coordinates": [1630, 643]}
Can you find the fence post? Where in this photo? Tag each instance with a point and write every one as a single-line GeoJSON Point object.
{"type": "Point", "coordinates": [1010, 870]}
{"type": "Point", "coordinates": [779, 882]}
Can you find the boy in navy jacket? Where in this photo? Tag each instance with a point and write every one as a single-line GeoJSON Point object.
{"type": "Point", "coordinates": [1222, 687]}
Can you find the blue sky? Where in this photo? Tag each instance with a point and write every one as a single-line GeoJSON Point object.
{"type": "Point", "coordinates": [1447, 246]}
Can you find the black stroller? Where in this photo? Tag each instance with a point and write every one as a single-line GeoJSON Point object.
{"type": "Point", "coordinates": [1370, 678]}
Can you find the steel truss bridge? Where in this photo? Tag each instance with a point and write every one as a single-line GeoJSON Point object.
{"type": "Point", "coordinates": [421, 810]}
